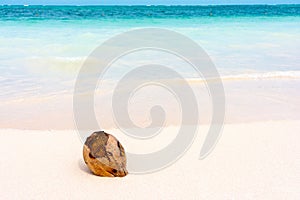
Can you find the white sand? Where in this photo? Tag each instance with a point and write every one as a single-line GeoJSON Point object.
{"type": "Point", "coordinates": [251, 161]}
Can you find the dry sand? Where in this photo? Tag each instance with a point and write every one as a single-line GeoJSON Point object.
{"type": "Point", "coordinates": [250, 161]}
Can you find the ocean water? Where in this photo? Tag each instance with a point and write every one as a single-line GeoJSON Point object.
{"type": "Point", "coordinates": [255, 48]}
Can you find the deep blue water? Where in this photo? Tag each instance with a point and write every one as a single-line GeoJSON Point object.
{"type": "Point", "coordinates": [125, 12]}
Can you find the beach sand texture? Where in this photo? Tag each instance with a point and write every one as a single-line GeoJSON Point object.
{"type": "Point", "coordinates": [250, 161]}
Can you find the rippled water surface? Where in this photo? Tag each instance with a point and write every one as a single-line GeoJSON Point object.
{"type": "Point", "coordinates": [43, 47]}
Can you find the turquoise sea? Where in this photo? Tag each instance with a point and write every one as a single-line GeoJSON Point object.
{"type": "Point", "coordinates": [43, 47]}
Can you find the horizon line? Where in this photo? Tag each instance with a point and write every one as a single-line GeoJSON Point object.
{"type": "Point", "coordinates": [148, 4]}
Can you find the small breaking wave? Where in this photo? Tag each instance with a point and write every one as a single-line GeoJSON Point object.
{"type": "Point", "coordinates": [276, 75]}
{"type": "Point", "coordinates": [264, 75]}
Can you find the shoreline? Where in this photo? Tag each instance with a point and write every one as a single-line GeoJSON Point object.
{"type": "Point", "coordinates": [276, 99]}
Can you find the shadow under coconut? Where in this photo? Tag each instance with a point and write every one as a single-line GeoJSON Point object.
{"type": "Point", "coordinates": [82, 166]}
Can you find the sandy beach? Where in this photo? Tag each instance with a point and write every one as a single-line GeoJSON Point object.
{"type": "Point", "coordinates": [250, 161]}
{"type": "Point", "coordinates": [66, 68]}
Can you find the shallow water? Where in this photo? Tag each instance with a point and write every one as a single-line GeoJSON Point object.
{"type": "Point", "coordinates": [255, 48]}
